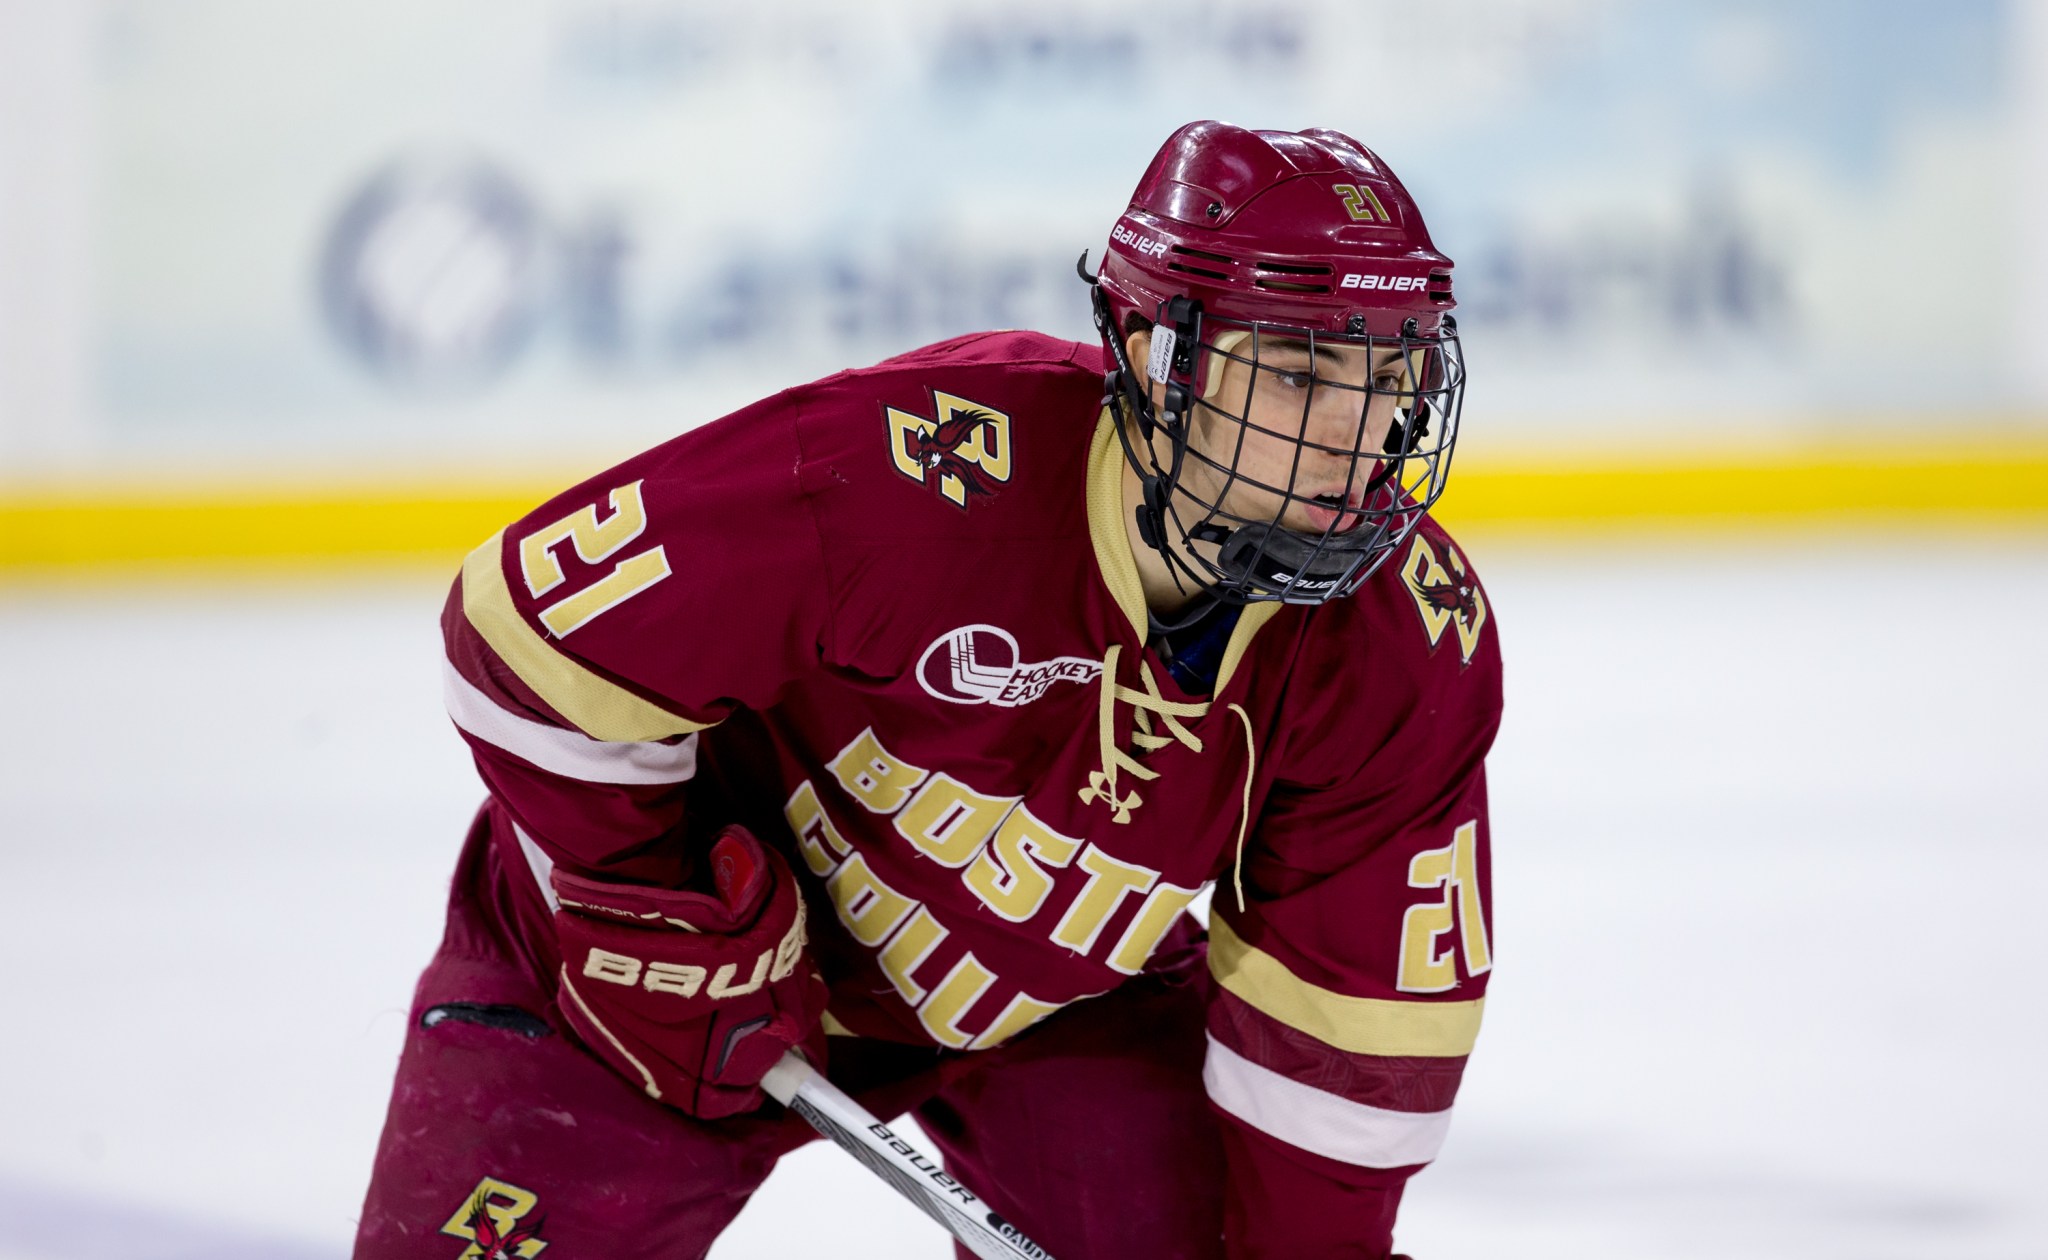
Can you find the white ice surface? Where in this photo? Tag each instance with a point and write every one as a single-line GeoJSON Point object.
{"type": "Point", "coordinates": [1769, 874]}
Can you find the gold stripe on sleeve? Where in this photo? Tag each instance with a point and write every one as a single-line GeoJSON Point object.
{"type": "Point", "coordinates": [1359, 1025]}
{"type": "Point", "coordinates": [599, 707]}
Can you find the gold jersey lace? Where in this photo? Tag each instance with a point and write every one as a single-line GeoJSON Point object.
{"type": "Point", "coordinates": [1150, 703]}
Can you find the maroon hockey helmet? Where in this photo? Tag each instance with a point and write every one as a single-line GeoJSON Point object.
{"type": "Point", "coordinates": [1240, 241]}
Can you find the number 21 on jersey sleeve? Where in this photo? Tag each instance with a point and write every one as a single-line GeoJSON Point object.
{"type": "Point", "coordinates": [1455, 869]}
{"type": "Point", "coordinates": [595, 542]}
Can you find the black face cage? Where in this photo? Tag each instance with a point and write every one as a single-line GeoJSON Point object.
{"type": "Point", "coordinates": [1253, 558]}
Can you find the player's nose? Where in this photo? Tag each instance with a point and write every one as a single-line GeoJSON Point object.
{"type": "Point", "coordinates": [1349, 420]}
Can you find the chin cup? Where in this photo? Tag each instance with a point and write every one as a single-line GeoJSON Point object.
{"type": "Point", "coordinates": [1305, 570]}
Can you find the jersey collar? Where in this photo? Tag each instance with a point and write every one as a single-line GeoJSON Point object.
{"type": "Point", "coordinates": [1119, 567]}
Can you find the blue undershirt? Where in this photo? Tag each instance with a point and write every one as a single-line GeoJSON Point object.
{"type": "Point", "coordinates": [1194, 653]}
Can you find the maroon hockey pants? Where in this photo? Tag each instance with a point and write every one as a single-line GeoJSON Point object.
{"type": "Point", "coordinates": [1091, 1132]}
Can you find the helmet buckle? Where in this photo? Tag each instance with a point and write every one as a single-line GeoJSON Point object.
{"type": "Point", "coordinates": [1176, 406]}
{"type": "Point", "coordinates": [1152, 513]}
{"type": "Point", "coordinates": [1183, 313]}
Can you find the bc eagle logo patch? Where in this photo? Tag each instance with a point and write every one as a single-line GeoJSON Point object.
{"type": "Point", "coordinates": [491, 1219]}
{"type": "Point", "coordinates": [962, 452]}
{"type": "Point", "coordinates": [1445, 596]}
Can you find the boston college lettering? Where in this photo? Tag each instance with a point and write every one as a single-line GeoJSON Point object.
{"type": "Point", "coordinates": [1009, 859]}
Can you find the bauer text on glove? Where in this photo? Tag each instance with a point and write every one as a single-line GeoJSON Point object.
{"type": "Point", "coordinates": [692, 995]}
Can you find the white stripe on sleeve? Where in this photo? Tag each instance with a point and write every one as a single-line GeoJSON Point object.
{"type": "Point", "coordinates": [1307, 1117]}
{"type": "Point", "coordinates": [540, 864]}
{"type": "Point", "coordinates": [565, 752]}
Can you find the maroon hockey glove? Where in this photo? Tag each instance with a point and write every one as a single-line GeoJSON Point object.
{"type": "Point", "coordinates": [692, 995]}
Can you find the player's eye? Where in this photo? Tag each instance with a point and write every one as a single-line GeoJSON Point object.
{"type": "Point", "coordinates": [1293, 379]}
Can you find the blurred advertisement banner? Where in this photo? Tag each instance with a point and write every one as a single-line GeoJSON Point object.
{"type": "Point", "coordinates": [490, 232]}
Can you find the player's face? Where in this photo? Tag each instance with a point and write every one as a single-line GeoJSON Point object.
{"type": "Point", "coordinates": [1314, 425]}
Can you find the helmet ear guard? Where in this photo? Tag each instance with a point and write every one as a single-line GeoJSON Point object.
{"type": "Point", "coordinates": [1171, 362]}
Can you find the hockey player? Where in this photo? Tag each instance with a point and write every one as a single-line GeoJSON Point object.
{"type": "Point", "coordinates": [901, 716]}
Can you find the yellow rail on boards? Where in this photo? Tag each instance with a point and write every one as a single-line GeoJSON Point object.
{"type": "Point", "coordinates": [78, 531]}
{"type": "Point", "coordinates": [85, 529]}
{"type": "Point", "coordinates": [1846, 483]}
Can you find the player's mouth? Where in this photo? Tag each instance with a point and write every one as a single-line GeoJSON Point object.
{"type": "Point", "coordinates": [1334, 513]}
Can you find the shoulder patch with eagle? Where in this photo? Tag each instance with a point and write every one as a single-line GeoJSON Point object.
{"type": "Point", "coordinates": [961, 451]}
{"type": "Point", "coordinates": [1446, 594]}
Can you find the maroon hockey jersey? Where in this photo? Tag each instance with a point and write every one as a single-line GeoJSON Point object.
{"type": "Point", "coordinates": [892, 618]}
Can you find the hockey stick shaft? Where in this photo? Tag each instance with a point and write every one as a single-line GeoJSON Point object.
{"type": "Point", "coordinates": [916, 1176]}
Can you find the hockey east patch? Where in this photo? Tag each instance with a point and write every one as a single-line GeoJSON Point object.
{"type": "Point", "coordinates": [981, 664]}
